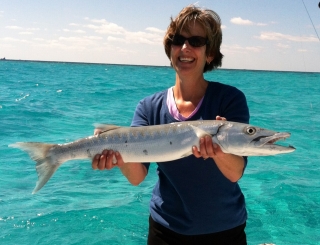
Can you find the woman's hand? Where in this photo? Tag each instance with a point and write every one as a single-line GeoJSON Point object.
{"type": "Point", "coordinates": [231, 166]}
{"type": "Point", "coordinates": [207, 147]}
{"type": "Point", "coordinates": [108, 159]}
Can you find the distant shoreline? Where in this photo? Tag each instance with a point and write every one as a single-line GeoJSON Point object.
{"type": "Point", "coordinates": [114, 64]}
{"type": "Point", "coordinates": [75, 62]}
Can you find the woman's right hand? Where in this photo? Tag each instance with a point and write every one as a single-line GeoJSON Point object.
{"type": "Point", "coordinates": [108, 159]}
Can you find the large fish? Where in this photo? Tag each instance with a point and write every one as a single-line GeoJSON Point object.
{"type": "Point", "coordinates": [157, 143]}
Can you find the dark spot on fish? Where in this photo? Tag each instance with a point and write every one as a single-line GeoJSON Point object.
{"type": "Point", "coordinates": [170, 143]}
{"type": "Point", "coordinates": [145, 152]}
{"type": "Point", "coordinates": [126, 142]}
{"type": "Point", "coordinates": [89, 153]}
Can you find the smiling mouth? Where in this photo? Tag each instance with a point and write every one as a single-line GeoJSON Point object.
{"type": "Point", "coordinates": [185, 60]}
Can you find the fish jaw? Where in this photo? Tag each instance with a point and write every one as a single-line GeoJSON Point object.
{"type": "Point", "coordinates": [266, 145]}
{"type": "Point", "coordinates": [269, 140]}
{"type": "Point", "coordinates": [271, 149]}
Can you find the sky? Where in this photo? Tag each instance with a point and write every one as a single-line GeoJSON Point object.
{"type": "Point", "coordinates": [257, 34]}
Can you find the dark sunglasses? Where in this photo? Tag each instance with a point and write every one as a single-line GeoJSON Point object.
{"type": "Point", "coordinates": [194, 41]}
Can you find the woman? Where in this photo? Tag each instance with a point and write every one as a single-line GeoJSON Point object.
{"type": "Point", "coordinates": [197, 199]}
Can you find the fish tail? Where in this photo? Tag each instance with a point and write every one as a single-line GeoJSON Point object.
{"type": "Point", "coordinates": [45, 165]}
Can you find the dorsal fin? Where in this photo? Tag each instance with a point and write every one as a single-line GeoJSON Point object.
{"type": "Point", "coordinates": [105, 127]}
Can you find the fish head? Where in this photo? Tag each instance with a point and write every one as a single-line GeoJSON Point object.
{"type": "Point", "coordinates": [247, 140]}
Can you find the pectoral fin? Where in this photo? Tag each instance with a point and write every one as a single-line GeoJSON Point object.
{"type": "Point", "coordinates": [199, 132]}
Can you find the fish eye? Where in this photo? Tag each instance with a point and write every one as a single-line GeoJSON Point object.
{"type": "Point", "coordinates": [251, 130]}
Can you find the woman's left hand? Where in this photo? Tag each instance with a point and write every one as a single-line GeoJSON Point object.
{"type": "Point", "coordinates": [207, 147]}
{"type": "Point", "coordinates": [230, 165]}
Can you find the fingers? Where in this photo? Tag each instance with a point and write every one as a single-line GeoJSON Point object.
{"type": "Point", "coordinates": [95, 161]}
{"type": "Point", "coordinates": [119, 159]}
{"type": "Point", "coordinates": [207, 148]}
{"type": "Point", "coordinates": [203, 147]}
{"type": "Point", "coordinates": [195, 152]}
{"type": "Point", "coordinates": [221, 118]}
{"type": "Point", "coordinates": [108, 159]}
{"type": "Point", "coordinates": [97, 131]}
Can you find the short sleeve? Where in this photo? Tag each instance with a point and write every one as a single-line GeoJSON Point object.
{"type": "Point", "coordinates": [140, 116]}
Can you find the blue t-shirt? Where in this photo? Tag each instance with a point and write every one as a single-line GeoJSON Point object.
{"type": "Point", "coordinates": [192, 196]}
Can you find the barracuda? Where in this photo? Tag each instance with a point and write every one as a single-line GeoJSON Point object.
{"type": "Point", "coordinates": [159, 143]}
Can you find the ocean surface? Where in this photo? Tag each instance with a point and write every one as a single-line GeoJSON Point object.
{"type": "Point", "coordinates": [60, 102]}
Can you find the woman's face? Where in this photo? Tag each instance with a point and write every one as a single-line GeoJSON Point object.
{"type": "Point", "coordinates": [189, 60]}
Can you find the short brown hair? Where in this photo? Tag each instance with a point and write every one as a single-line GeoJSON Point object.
{"type": "Point", "coordinates": [211, 23]}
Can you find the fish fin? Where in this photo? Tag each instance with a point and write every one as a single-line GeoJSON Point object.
{"type": "Point", "coordinates": [199, 132]}
{"type": "Point", "coordinates": [44, 164]}
{"type": "Point", "coordinates": [105, 127]}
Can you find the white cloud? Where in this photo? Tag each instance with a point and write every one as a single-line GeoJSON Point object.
{"type": "Point", "coordinates": [14, 27]}
{"type": "Point", "coordinates": [153, 29]}
{"type": "Point", "coordinates": [109, 28]}
{"type": "Point", "coordinates": [240, 21]}
{"type": "Point", "coordinates": [38, 39]}
{"type": "Point", "coordinates": [95, 36]}
{"type": "Point", "coordinates": [79, 31]}
{"type": "Point", "coordinates": [114, 32]}
{"type": "Point", "coordinates": [143, 37]}
{"type": "Point", "coordinates": [33, 29]}
{"type": "Point", "coordinates": [15, 41]}
{"type": "Point", "coordinates": [116, 39]}
{"type": "Point", "coordinates": [75, 39]}
{"type": "Point", "coordinates": [25, 33]}
{"type": "Point", "coordinates": [101, 21]}
{"type": "Point", "coordinates": [283, 46]}
{"type": "Point", "coordinates": [276, 36]}
{"type": "Point", "coordinates": [74, 31]}
{"type": "Point", "coordinates": [10, 39]}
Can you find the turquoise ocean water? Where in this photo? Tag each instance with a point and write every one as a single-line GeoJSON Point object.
{"type": "Point", "coordinates": [59, 102]}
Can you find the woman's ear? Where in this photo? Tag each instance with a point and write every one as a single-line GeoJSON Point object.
{"type": "Point", "coordinates": [209, 59]}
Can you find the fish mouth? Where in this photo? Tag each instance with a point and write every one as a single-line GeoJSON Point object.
{"type": "Point", "coordinates": [271, 140]}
